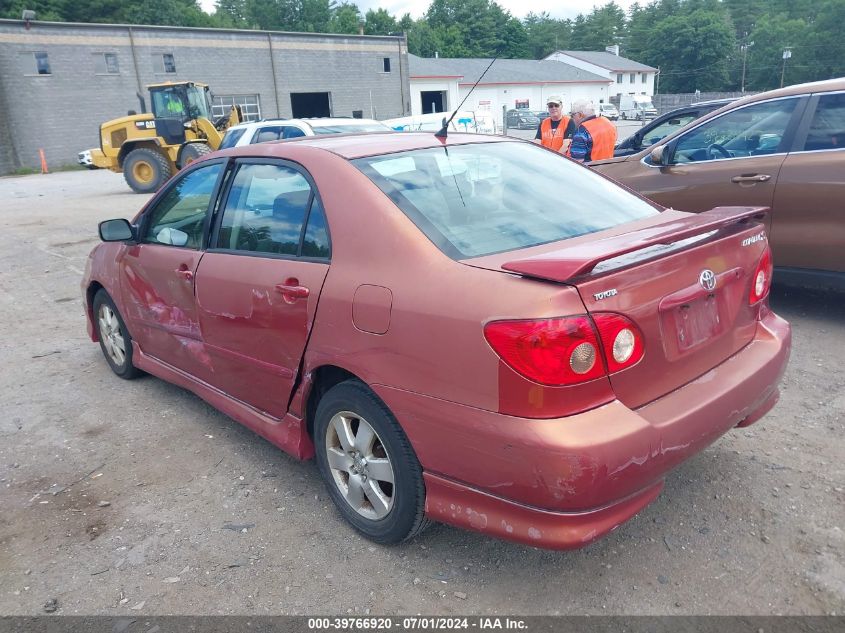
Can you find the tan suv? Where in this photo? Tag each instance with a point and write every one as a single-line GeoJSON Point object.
{"type": "Point", "coordinates": [783, 149]}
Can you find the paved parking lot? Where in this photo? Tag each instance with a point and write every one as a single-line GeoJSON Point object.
{"type": "Point", "coordinates": [129, 498]}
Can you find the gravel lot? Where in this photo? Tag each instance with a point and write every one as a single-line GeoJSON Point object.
{"type": "Point", "coordinates": [130, 498]}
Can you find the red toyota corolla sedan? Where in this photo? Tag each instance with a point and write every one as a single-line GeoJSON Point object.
{"type": "Point", "coordinates": [471, 330]}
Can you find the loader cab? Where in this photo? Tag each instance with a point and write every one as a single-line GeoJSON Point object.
{"type": "Point", "coordinates": [175, 105]}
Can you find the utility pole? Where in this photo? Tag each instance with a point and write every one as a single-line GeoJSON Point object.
{"type": "Point", "coordinates": [787, 53]}
{"type": "Point", "coordinates": [744, 46]}
{"type": "Point", "coordinates": [657, 81]}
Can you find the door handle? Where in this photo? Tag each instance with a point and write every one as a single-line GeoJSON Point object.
{"type": "Point", "coordinates": [185, 274]}
{"type": "Point", "coordinates": [291, 290]}
{"type": "Point", "coordinates": [751, 178]}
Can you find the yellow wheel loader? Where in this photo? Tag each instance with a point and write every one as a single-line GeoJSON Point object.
{"type": "Point", "coordinates": [150, 147]}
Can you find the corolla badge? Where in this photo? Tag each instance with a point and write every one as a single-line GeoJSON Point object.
{"type": "Point", "coordinates": [707, 279]}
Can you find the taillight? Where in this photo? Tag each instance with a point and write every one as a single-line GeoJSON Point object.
{"type": "Point", "coordinates": [565, 350]}
{"type": "Point", "coordinates": [558, 351]}
{"type": "Point", "coordinates": [761, 282]}
{"type": "Point", "coordinates": [622, 340]}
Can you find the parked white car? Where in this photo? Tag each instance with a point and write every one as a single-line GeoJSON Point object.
{"type": "Point", "coordinates": [608, 110]}
{"type": "Point", "coordinates": [281, 129]}
{"type": "Point", "coordinates": [464, 121]}
{"type": "Point", "coordinates": [84, 159]}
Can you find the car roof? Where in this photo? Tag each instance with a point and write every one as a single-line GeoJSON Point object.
{"type": "Point", "coordinates": [310, 122]}
{"type": "Point", "coordinates": [351, 146]}
{"type": "Point", "coordinates": [800, 89]}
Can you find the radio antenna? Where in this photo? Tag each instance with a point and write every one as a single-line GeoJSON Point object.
{"type": "Point", "coordinates": [444, 131]}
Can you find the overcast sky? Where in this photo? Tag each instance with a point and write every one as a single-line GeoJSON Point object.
{"type": "Point", "coordinates": [518, 8]}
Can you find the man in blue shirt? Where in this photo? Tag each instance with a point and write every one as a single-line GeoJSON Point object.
{"type": "Point", "coordinates": [594, 136]}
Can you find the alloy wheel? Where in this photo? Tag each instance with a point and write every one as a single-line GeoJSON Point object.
{"type": "Point", "coordinates": [360, 466]}
{"type": "Point", "coordinates": [110, 334]}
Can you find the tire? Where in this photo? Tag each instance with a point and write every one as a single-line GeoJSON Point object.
{"type": "Point", "coordinates": [191, 152]}
{"type": "Point", "coordinates": [115, 341]}
{"type": "Point", "coordinates": [145, 170]}
{"type": "Point", "coordinates": [353, 432]}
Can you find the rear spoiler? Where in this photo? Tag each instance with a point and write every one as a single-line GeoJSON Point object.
{"type": "Point", "coordinates": [568, 262]}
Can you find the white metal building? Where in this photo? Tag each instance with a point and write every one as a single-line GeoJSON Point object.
{"type": "Point", "coordinates": [440, 84]}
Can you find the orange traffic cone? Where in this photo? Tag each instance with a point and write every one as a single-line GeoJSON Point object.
{"type": "Point", "coordinates": [44, 169]}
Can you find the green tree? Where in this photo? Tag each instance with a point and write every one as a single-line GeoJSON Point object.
{"type": "Point", "coordinates": [47, 10]}
{"type": "Point", "coordinates": [273, 15]}
{"type": "Point", "coordinates": [545, 34]}
{"type": "Point", "coordinates": [165, 12]}
{"type": "Point", "coordinates": [314, 16]}
{"type": "Point", "coordinates": [232, 13]}
{"type": "Point", "coordinates": [345, 19]}
{"type": "Point", "coordinates": [692, 50]}
{"type": "Point", "coordinates": [421, 39]}
{"type": "Point", "coordinates": [379, 23]}
{"type": "Point", "coordinates": [771, 34]}
{"type": "Point", "coordinates": [826, 56]}
{"type": "Point", "coordinates": [475, 28]}
{"type": "Point", "coordinates": [514, 43]}
{"type": "Point", "coordinates": [602, 27]}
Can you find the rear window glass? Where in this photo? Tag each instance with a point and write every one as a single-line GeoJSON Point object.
{"type": "Point", "coordinates": [479, 199]}
{"type": "Point", "coordinates": [346, 129]}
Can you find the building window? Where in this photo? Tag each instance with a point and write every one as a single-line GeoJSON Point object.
{"type": "Point", "coordinates": [250, 106]}
{"type": "Point", "coordinates": [42, 64]}
{"type": "Point", "coordinates": [386, 61]}
{"type": "Point", "coordinates": [644, 78]}
{"type": "Point", "coordinates": [619, 78]}
{"type": "Point", "coordinates": [164, 63]}
{"type": "Point", "coordinates": [633, 77]}
{"type": "Point", "coordinates": [106, 64]}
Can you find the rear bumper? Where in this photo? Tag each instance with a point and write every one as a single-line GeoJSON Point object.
{"type": "Point", "coordinates": [566, 482]}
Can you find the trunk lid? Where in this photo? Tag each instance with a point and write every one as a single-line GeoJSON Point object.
{"type": "Point", "coordinates": [656, 274]}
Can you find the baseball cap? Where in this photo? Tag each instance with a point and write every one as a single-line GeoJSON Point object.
{"type": "Point", "coordinates": [554, 99]}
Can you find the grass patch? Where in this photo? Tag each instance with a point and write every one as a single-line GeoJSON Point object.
{"type": "Point", "coordinates": [28, 171]}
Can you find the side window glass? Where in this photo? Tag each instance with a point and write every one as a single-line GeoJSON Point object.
{"type": "Point", "coordinates": [231, 138]}
{"type": "Point", "coordinates": [293, 132]}
{"type": "Point", "coordinates": [751, 131]}
{"type": "Point", "coordinates": [265, 134]}
{"type": "Point", "coordinates": [179, 218]}
{"type": "Point", "coordinates": [265, 210]}
{"type": "Point", "coordinates": [827, 130]}
{"type": "Point", "coordinates": [316, 242]}
{"type": "Point", "coordinates": [666, 128]}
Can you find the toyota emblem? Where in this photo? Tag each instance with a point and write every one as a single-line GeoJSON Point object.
{"type": "Point", "coordinates": [707, 279]}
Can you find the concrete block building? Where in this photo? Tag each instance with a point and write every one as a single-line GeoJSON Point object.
{"type": "Point", "coordinates": [60, 81]}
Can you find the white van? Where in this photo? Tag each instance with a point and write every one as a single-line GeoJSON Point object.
{"type": "Point", "coordinates": [636, 107]}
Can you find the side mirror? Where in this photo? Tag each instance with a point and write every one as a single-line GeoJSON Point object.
{"type": "Point", "coordinates": [636, 142]}
{"type": "Point", "coordinates": [116, 231]}
{"type": "Point", "coordinates": [659, 156]}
